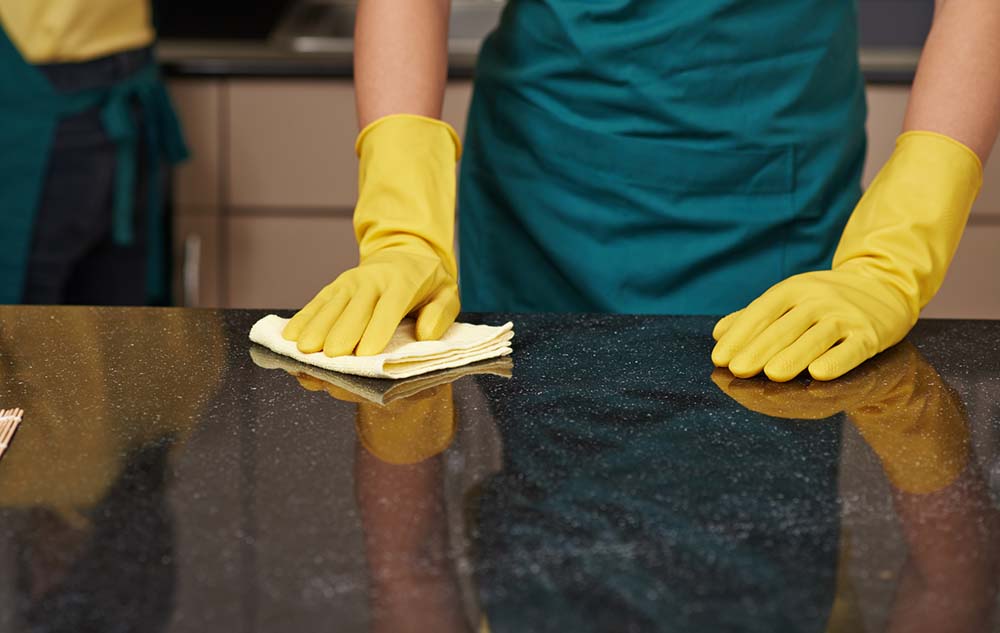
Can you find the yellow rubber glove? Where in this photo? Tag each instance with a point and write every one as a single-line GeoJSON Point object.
{"type": "Point", "coordinates": [890, 262]}
{"type": "Point", "coordinates": [405, 226]}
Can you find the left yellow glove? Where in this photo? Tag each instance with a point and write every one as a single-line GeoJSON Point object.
{"type": "Point", "coordinates": [405, 225]}
{"type": "Point", "coordinates": [890, 262]}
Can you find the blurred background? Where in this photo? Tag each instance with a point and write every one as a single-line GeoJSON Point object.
{"type": "Point", "coordinates": [267, 104]}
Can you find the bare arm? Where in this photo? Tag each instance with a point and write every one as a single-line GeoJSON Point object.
{"type": "Point", "coordinates": [400, 57]}
{"type": "Point", "coordinates": [956, 91]}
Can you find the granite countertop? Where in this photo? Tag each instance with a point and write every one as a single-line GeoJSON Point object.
{"type": "Point", "coordinates": [260, 58]}
{"type": "Point", "coordinates": [170, 476]}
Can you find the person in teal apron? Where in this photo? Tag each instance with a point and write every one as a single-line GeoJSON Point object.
{"type": "Point", "coordinates": [660, 157]}
{"type": "Point", "coordinates": [46, 111]}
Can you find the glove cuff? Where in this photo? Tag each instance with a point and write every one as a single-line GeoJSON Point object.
{"type": "Point", "coordinates": [924, 139]}
{"type": "Point", "coordinates": [907, 226]}
{"type": "Point", "coordinates": [394, 125]}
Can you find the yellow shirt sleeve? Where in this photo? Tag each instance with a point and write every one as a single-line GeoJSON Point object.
{"type": "Point", "coordinates": [47, 31]}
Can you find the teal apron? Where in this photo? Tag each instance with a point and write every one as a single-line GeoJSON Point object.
{"type": "Point", "coordinates": [30, 111]}
{"type": "Point", "coordinates": [658, 157]}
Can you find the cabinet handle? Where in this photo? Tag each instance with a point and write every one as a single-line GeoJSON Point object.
{"type": "Point", "coordinates": [191, 271]}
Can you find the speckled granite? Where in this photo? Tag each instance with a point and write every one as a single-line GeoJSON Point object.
{"type": "Point", "coordinates": [163, 480]}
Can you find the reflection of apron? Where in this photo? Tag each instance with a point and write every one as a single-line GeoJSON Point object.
{"type": "Point", "coordinates": [652, 503]}
{"type": "Point", "coordinates": [667, 157]}
{"type": "Point", "coordinates": [30, 111]}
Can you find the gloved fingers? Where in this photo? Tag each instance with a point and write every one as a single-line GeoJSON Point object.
{"type": "Point", "coordinates": [294, 328]}
{"type": "Point", "coordinates": [723, 324]}
{"type": "Point", "coordinates": [343, 394]}
{"type": "Point", "coordinates": [796, 357]}
{"type": "Point", "coordinates": [313, 335]}
{"type": "Point", "coordinates": [723, 379]}
{"type": "Point", "coordinates": [785, 331]}
{"type": "Point", "coordinates": [390, 310]}
{"type": "Point", "coordinates": [437, 316]}
{"type": "Point", "coordinates": [343, 337]}
{"type": "Point", "coordinates": [840, 359]}
{"type": "Point", "coordinates": [310, 383]}
{"type": "Point", "coordinates": [750, 322]}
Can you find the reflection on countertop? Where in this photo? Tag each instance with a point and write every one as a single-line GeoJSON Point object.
{"type": "Point", "coordinates": [170, 476]}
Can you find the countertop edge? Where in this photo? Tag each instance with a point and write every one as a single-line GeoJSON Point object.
{"type": "Point", "coordinates": [257, 59]}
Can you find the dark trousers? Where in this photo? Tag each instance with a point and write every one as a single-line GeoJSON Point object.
{"type": "Point", "coordinates": [73, 257]}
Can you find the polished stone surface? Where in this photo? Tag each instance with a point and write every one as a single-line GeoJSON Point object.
{"type": "Point", "coordinates": [170, 477]}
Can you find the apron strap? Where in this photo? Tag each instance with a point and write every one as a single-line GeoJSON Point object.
{"type": "Point", "coordinates": [163, 140]}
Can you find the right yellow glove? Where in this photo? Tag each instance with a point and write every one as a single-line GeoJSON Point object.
{"type": "Point", "coordinates": [891, 260]}
{"type": "Point", "coordinates": [405, 225]}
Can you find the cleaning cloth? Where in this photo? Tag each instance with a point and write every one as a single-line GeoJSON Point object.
{"type": "Point", "coordinates": [404, 356]}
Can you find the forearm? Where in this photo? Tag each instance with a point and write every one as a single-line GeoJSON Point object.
{"type": "Point", "coordinates": [956, 91]}
{"type": "Point", "coordinates": [400, 57]}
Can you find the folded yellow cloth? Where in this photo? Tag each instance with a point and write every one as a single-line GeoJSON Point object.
{"type": "Point", "coordinates": [404, 356]}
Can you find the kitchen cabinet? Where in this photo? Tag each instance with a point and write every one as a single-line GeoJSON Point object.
{"type": "Point", "coordinates": [291, 143]}
{"type": "Point", "coordinates": [266, 200]}
{"type": "Point", "coordinates": [282, 260]}
{"type": "Point", "coordinates": [197, 260]}
{"type": "Point", "coordinates": [197, 207]}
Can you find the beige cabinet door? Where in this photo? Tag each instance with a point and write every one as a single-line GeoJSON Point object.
{"type": "Point", "coordinates": [291, 142]}
{"type": "Point", "coordinates": [282, 261]}
{"type": "Point", "coordinates": [972, 288]}
{"type": "Point", "coordinates": [197, 260]}
{"type": "Point", "coordinates": [196, 181]}
{"type": "Point", "coordinates": [197, 252]}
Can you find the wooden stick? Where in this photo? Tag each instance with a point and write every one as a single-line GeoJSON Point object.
{"type": "Point", "coordinates": [10, 419]}
{"type": "Point", "coordinates": [8, 430]}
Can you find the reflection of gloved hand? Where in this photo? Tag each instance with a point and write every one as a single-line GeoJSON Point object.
{"type": "Point", "coordinates": [409, 430]}
{"type": "Point", "coordinates": [906, 413]}
{"type": "Point", "coordinates": [404, 222]}
{"type": "Point", "coordinates": [405, 431]}
{"type": "Point", "coordinates": [891, 260]}
{"type": "Point", "coordinates": [77, 434]}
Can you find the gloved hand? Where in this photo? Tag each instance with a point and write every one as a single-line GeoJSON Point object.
{"type": "Point", "coordinates": [890, 262]}
{"type": "Point", "coordinates": [404, 222]}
